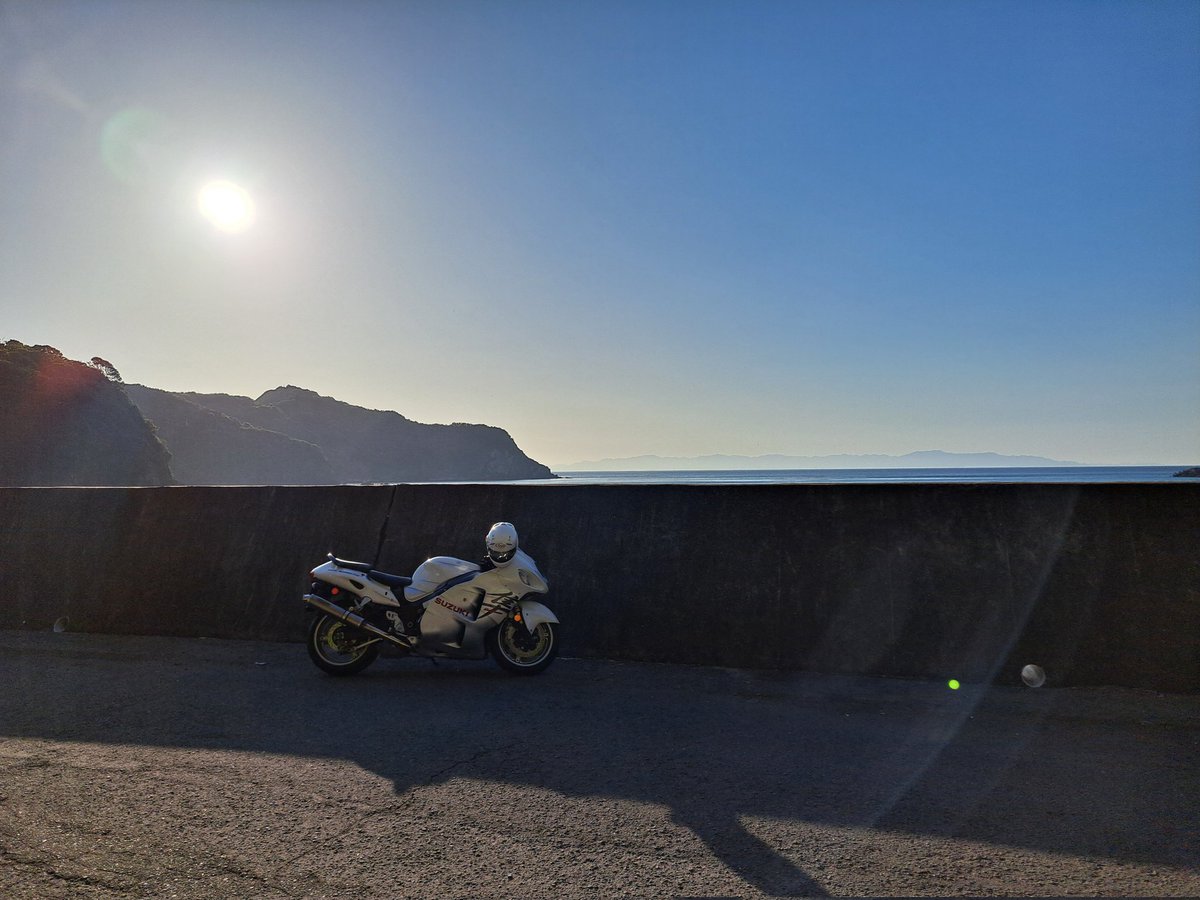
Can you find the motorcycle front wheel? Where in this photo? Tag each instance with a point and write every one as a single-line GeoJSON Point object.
{"type": "Point", "coordinates": [518, 651]}
{"type": "Point", "coordinates": [338, 648]}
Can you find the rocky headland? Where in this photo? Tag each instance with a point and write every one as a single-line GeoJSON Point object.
{"type": "Point", "coordinates": [291, 435]}
{"type": "Point", "coordinates": [64, 422]}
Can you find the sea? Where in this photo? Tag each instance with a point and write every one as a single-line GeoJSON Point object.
{"type": "Point", "coordinates": [992, 475]}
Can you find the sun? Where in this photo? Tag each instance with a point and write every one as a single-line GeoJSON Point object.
{"type": "Point", "coordinates": [227, 206]}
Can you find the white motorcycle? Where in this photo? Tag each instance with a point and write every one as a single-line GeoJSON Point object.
{"type": "Point", "coordinates": [449, 608]}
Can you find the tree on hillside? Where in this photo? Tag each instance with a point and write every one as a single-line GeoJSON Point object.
{"type": "Point", "coordinates": [109, 370]}
{"type": "Point", "coordinates": [64, 422]}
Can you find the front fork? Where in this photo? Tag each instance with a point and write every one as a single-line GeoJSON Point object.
{"type": "Point", "coordinates": [514, 611]}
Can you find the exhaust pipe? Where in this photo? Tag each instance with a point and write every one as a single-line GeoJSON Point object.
{"type": "Point", "coordinates": [354, 619]}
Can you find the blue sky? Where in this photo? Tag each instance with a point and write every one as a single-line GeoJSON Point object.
{"type": "Point", "coordinates": [626, 228]}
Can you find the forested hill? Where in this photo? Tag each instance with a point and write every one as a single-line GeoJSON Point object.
{"type": "Point", "coordinates": [64, 422]}
{"type": "Point", "coordinates": [71, 423]}
{"type": "Point", "coordinates": [290, 435]}
{"type": "Point", "coordinates": [209, 447]}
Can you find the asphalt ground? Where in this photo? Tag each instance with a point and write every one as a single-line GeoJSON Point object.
{"type": "Point", "coordinates": [167, 767]}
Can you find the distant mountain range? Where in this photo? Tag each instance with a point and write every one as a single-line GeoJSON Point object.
{"type": "Point", "coordinates": [64, 422]}
{"type": "Point", "coordinates": [922, 459]}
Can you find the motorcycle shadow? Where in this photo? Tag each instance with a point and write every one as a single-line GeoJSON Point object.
{"type": "Point", "coordinates": [718, 751]}
{"type": "Point", "coordinates": [720, 748]}
{"type": "Point", "coordinates": [584, 729]}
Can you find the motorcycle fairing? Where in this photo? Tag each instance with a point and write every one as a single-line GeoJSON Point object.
{"type": "Point", "coordinates": [355, 581]}
{"type": "Point", "coordinates": [457, 619]}
{"type": "Point", "coordinates": [459, 615]}
{"type": "Point", "coordinates": [435, 574]}
{"type": "Point", "coordinates": [461, 603]}
{"type": "Point", "coordinates": [534, 614]}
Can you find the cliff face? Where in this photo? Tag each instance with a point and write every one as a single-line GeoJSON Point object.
{"type": "Point", "coordinates": [209, 447]}
{"type": "Point", "coordinates": [364, 445]}
{"type": "Point", "coordinates": [65, 423]}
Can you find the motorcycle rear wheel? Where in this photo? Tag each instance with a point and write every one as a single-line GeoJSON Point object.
{"type": "Point", "coordinates": [522, 653]}
{"type": "Point", "coordinates": [338, 648]}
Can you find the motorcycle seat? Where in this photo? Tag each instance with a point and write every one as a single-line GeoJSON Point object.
{"type": "Point", "coordinates": [395, 581]}
{"type": "Point", "coordinates": [365, 568]}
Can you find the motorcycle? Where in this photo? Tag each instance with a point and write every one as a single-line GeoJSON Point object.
{"type": "Point", "coordinates": [449, 608]}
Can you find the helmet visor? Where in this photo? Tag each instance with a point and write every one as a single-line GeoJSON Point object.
{"type": "Point", "coordinates": [501, 556]}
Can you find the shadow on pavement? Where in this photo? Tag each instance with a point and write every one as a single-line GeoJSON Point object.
{"type": "Point", "coordinates": [1084, 773]}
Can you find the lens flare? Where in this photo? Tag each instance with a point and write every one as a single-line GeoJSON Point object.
{"type": "Point", "coordinates": [1033, 676]}
{"type": "Point", "coordinates": [135, 144]}
{"type": "Point", "coordinates": [227, 206]}
{"type": "Point", "coordinates": [953, 684]}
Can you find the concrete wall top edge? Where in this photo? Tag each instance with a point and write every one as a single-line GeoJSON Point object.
{"type": "Point", "coordinates": [1182, 484]}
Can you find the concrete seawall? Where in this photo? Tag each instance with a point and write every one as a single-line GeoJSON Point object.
{"type": "Point", "coordinates": [1099, 584]}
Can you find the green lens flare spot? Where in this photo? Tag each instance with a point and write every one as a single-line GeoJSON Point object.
{"type": "Point", "coordinates": [132, 143]}
{"type": "Point", "coordinates": [953, 684]}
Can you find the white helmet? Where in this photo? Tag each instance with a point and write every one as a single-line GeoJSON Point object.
{"type": "Point", "coordinates": [501, 543]}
